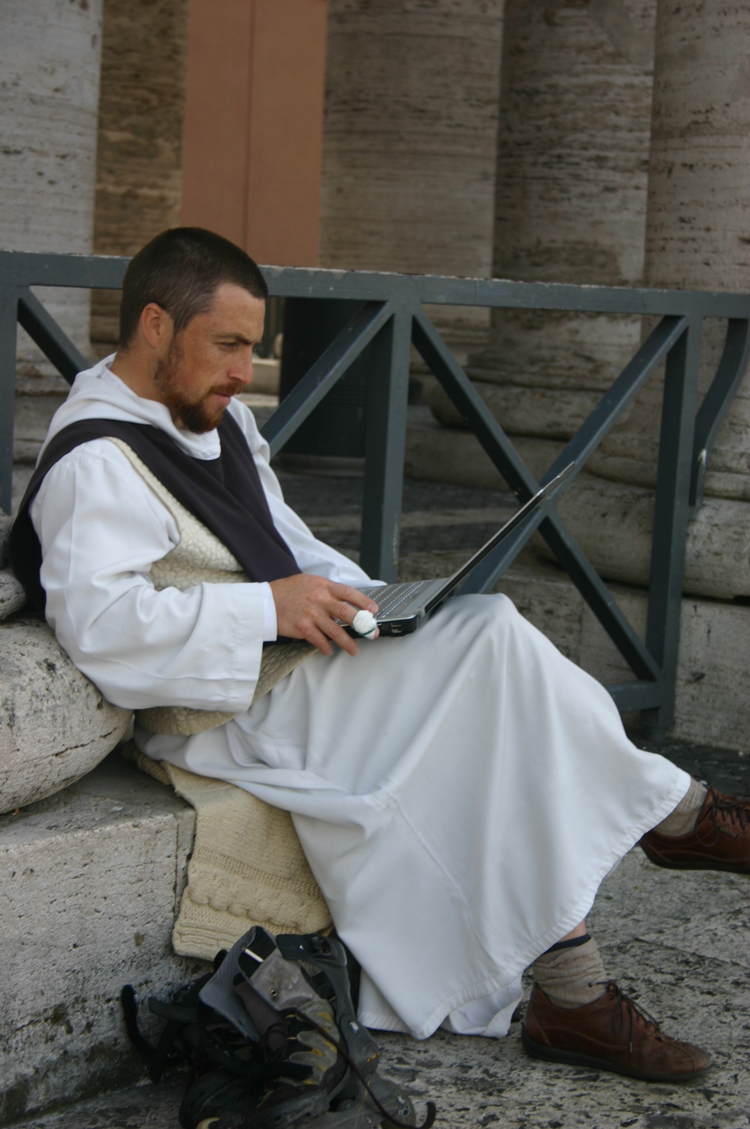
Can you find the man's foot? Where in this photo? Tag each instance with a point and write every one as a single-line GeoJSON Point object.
{"type": "Point", "coordinates": [720, 839]}
{"type": "Point", "coordinates": [612, 1033]}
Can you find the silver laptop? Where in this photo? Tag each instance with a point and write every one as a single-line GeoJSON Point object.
{"type": "Point", "coordinates": [402, 608]}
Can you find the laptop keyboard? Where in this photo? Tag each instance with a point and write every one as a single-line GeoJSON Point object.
{"type": "Point", "coordinates": [393, 596]}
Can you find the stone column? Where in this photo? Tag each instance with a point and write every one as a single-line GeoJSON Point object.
{"type": "Point", "coordinates": [410, 141]}
{"type": "Point", "coordinates": [141, 109]}
{"type": "Point", "coordinates": [570, 203]}
{"type": "Point", "coordinates": [698, 228]}
{"type": "Point", "coordinates": [697, 237]}
{"type": "Point", "coordinates": [49, 58]}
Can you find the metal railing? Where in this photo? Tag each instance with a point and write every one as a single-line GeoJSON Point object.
{"type": "Point", "coordinates": [391, 317]}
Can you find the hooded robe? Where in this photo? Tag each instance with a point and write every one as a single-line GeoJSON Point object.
{"type": "Point", "coordinates": [459, 793]}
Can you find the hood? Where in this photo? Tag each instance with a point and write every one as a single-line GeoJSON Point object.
{"type": "Point", "coordinates": [96, 393]}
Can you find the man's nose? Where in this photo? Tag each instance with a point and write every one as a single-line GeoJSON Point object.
{"type": "Point", "coordinates": [243, 371]}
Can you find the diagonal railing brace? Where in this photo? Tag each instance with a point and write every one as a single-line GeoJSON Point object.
{"type": "Point", "coordinates": [330, 367]}
{"type": "Point", "coordinates": [51, 339]}
{"type": "Point", "coordinates": [499, 448]}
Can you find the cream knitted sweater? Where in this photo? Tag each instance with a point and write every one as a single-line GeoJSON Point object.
{"type": "Point", "coordinates": [201, 558]}
{"type": "Point", "coordinates": [247, 866]}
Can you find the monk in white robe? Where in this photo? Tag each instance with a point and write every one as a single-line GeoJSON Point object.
{"type": "Point", "coordinates": [460, 793]}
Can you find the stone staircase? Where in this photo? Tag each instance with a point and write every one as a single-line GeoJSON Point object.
{"type": "Point", "coordinates": [91, 879]}
{"type": "Point", "coordinates": [678, 940]}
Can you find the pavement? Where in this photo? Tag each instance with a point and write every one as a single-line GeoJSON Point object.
{"type": "Point", "coordinates": [679, 943]}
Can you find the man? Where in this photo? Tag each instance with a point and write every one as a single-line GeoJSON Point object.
{"type": "Point", "coordinates": [459, 793]}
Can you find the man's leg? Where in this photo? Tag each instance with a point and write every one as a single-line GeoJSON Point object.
{"type": "Point", "coordinates": [577, 1015]}
{"type": "Point", "coordinates": [571, 972]}
{"type": "Point", "coordinates": [573, 999]}
{"type": "Point", "coordinates": [493, 816]}
{"type": "Point", "coordinates": [706, 831]}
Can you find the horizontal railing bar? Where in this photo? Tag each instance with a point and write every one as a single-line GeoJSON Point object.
{"type": "Point", "coordinates": [51, 339]}
{"type": "Point", "coordinates": [85, 272]}
{"type": "Point", "coordinates": [21, 268]}
{"type": "Point", "coordinates": [311, 389]}
{"type": "Point", "coordinates": [582, 299]}
{"type": "Point", "coordinates": [631, 696]}
{"type": "Point", "coordinates": [490, 292]}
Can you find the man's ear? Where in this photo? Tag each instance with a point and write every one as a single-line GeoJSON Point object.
{"type": "Point", "coordinates": [156, 326]}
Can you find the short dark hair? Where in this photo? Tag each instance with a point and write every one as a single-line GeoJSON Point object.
{"type": "Point", "coordinates": [180, 270]}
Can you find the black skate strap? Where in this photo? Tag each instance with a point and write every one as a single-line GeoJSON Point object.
{"type": "Point", "coordinates": [391, 1118]}
{"type": "Point", "coordinates": [156, 1058]}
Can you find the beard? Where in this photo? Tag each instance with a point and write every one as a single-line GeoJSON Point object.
{"type": "Point", "coordinates": [196, 415]}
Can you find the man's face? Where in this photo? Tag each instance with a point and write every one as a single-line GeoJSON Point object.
{"type": "Point", "coordinates": [211, 360]}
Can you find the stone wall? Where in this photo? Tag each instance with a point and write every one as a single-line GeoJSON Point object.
{"type": "Point", "coordinates": [138, 168]}
{"type": "Point", "coordinates": [49, 68]}
{"type": "Point", "coordinates": [410, 140]}
{"type": "Point", "coordinates": [570, 203]}
{"type": "Point", "coordinates": [698, 230]}
{"type": "Point", "coordinates": [91, 882]}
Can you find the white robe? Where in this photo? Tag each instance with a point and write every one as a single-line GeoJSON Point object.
{"type": "Point", "coordinates": [460, 793]}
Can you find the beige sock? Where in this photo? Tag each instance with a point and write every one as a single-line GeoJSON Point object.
{"type": "Point", "coordinates": [572, 977]}
{"type": "Point", "coordinates": [682, 820]}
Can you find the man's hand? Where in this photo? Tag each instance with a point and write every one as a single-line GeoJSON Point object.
{"type": "Point", "coordinates": [307, 607]}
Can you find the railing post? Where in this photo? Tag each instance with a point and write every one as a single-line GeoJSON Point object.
{"type": "Point", "coordinates": [8, 330]}
{"type": "Point", "coordinates": [387, 397]}
{"type": "Point", "coordinates": [671, 513]}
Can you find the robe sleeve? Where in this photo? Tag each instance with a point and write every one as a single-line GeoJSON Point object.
{"type": "Point", "coordinates": [311, 555]}
{"type": "Point", "coordinates": [101, 528]}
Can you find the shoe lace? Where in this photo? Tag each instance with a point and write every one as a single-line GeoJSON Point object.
{"type": "Point", "coordinates": [391, 1118]}
{"type": "Point", "coordinates": [627, 1011]}
{"type": "Point", "coordinates": [731, 808]}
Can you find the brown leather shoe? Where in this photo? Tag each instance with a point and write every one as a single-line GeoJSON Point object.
{"type": "Point", "coordinates": [612, 1033]}
{"type": "Point", "coordinates": [720, 839]}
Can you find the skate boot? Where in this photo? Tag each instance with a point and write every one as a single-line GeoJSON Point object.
{"type": "Point", "coordinates": [224, 1064]}
{"type": "Point", "coordinates": [295, 997]}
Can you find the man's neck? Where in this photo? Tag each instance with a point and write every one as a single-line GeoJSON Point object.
{"type": "Point", "coordinates": [135, 372]}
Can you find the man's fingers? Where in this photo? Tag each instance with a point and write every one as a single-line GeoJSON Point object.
{"type": "Point", "coordinates": [321, 629]}
{"type": "Point", "coordinates": [318, 639]}
{"type": "Point", "coordinates": [308, 607]}
{"type": "Point", "coordinates": [356, 598]}
{"type": "Point", "coordinates": [344, 611]}
{"type": "Point", "coordinates": [343, 638]}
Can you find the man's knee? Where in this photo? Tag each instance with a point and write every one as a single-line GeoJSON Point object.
{"type": "Point", "coordinates": [493, 616]}
{"type": "Point", "coordinates": [493, 608]}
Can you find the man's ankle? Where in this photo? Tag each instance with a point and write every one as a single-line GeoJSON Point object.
{"type": "Point", "coordinates": [571, 973]}
{"type": "Point", "coordinates": [681, 821]}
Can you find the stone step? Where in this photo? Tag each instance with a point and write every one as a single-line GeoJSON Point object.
{"type": "Point", "coordinates": [138, 1107]}
{"type": "Point", "coordinates": [91, 880]}
{"type": "Point", "coordinates": [676, 940]}
{"type": "Point", "coordinates": [612, 521]}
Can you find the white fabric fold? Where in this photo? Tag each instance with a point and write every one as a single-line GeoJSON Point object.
{"type": "Point", "coordinates": [101, 528]}
{"type": "Point", "coordinates": [459, 793]}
